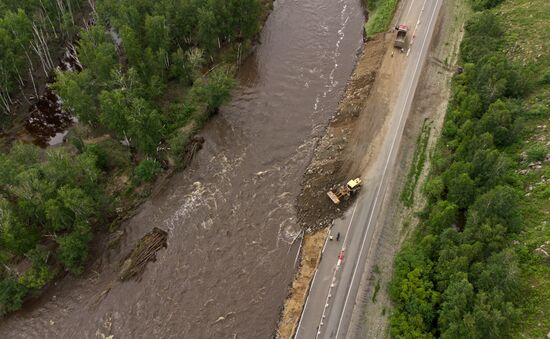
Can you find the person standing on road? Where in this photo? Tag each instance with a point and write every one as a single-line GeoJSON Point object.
{"type": "Point", "coordinates": [338, 236]}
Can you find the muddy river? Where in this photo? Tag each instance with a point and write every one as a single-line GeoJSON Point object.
{"type": "Point", "coordinates": [230, 216]}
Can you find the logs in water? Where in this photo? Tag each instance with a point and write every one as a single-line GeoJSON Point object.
{"type": "Point", "coordinates": [144, 251]}
{"type": "Point", "coordinates": [191, 149]}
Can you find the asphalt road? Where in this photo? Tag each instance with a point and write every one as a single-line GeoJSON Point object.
{"type": "Point", "coordinates": [332, 297]}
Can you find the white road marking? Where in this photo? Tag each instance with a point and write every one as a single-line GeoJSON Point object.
{"type": "Point", "coordinates": [310, 288]}
{"type": "Point", "coordinates": [416, 27]}
{"type": "Point", "coordinates": [335, 271]}
{"type": "Point", "coordinates": [410, 7]}
{"type": "Point", "coordinates": [349, 226]}
{"type": "Point", "coordinates": [385, 170]}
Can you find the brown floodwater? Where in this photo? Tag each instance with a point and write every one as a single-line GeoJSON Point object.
{"type": "Point", "coordinates": [230, 215]}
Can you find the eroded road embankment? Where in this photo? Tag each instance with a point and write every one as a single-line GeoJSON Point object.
{"type": "Point", "coordinates": [230, 216]}
{"type": "Point", "coordinates": [333, 162]}
{"type": "Point", "coordinates": [360, 142]}
{"type": "Point", "coordinates": [336, 158]}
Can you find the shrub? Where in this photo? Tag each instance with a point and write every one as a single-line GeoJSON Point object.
{"type": "Point", "coordinates": [484, 36]}
{"type": "Point", "coordinates": [480, 5]}
{"type": "Point", "coordinates": [434, 188]}
{"type": "Point", "coordinates": [73, 248]}
{"type": "Point", "coordinates": [100, 155]}
{"type": "Point", "coordinates": [497, 206]}
{"type": "Point", "coordinates": [36, 277]}
{"type": "Point", "coordinates": [177, 147]}
{"type": "Point", "coordinates": [117, 154]}
{"type": "Point", "coordinates": [215, 90]}
{"type": "Point", "coordinates": [11, 294]}
{"type": "Point", "coordinates": [537, 152]}
{"type": "Point", "coordinates": [146, 170]}
{"type": "Point", "coordinates": [39, 274]}
{"type": "Point", "coordinates": [545, 80]}
{"type": "Point", "coordinates": [181, 114]}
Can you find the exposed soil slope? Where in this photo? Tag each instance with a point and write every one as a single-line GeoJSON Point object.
{"type": "Point", "coordinates": [332, 163]}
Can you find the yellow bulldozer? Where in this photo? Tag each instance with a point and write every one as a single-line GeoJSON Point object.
{"type": "Point", "coordinates": [344, 191]}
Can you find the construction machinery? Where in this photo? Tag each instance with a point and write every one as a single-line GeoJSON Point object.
{"type": "Point", "coordinates": [344, 191]}
{"type": "Point", "coordinates": [401, 36]}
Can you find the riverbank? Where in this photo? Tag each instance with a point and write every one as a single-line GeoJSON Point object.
{"type": "Point", "coordinates": [112, 97]}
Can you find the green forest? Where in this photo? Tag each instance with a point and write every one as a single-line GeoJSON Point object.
{"type": "Point", "coordinates": [471, 268]}
{"type": "Point", "coordinates": [30, 34]}
{"type": "Point", "coordinates": [153, 73]}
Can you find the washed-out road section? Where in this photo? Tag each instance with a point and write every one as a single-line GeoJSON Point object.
{"type": "Point", "coordinates": [332, 298]}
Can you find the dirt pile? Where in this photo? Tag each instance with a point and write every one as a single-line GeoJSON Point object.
{"type": "Point", "coordinates": [331, 164]}
{"type": "Point", "coordinates": [146, 250]}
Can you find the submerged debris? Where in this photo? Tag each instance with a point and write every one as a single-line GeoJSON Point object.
{"type": "Point", "coordinates": [145, 250]}
{"type": "Point", "coordinates": [191, 149]}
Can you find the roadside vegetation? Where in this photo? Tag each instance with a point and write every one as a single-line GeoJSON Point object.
{"type": "Point", "coordinates": [380, 13]}
{"type": "Point", "coordinates": [419, 159]}
{"type": "Point", "coordinates": [477, 265]}
{"type": "Point", "coordinates": [153, 73]}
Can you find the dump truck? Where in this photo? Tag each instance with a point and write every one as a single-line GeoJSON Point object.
{"type": "Point", "coordinates": [344, 191]}
{"type": "Point", "coordinates": [401, 36]}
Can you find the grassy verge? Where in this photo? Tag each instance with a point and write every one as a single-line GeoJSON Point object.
{"type": "Point", "coordinates": [419, 159]}
{"type": "Point", "coordinates": [380, 15]}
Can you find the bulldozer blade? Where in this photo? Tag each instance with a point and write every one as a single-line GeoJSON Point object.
{"type": "Point", "coordinates": [333, 197]}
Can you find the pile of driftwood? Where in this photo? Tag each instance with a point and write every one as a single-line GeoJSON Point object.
{"type": "Point", "coordinates": [144, 251]}
{"type": "Point", "coordinates": [191, 149]}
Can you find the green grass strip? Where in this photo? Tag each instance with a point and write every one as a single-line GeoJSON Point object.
{"type": "Point", "coordinates": [419, 158]}
{"type": "Point", "coordinates": [380, 15]}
